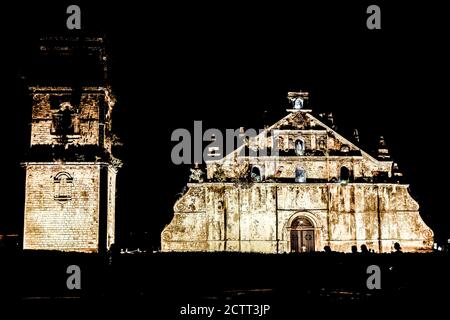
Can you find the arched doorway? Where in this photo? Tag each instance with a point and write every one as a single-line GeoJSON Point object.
{"type": "Point", "coordinates": [302, 235]}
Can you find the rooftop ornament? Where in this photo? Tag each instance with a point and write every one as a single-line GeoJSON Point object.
{"type": "Point", "coordinates": [298, 100]}
{"type": "Point", "coordinates": [196, 174]}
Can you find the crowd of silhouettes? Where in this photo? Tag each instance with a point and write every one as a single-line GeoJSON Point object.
{"type": "Point", "coordinates": [364, 249]}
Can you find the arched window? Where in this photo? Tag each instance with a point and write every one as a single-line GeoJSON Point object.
{"type": "Point", "coordinates": [63, 186]}
{"type": "Point", "coordinates": [345, 148]}
{"type": "Point", "coordinates": [345, 174]}
{"type": "Point", "coordinates": [299, 147]}
{"type": "Point", "coordinates": [256, 174]}
{"type": "Point", "coordinates": [300, 175]}
{"type": "Point", "coordinates": [301, 222]}
{"type": "Point", "coordinates": [298, 103]}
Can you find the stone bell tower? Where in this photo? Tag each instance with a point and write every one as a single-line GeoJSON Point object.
{"type": "Point", "coordinates": [70, 183]}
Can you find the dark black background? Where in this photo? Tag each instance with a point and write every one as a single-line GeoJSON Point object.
{"type": "Point", "coordinates": [226, 63]}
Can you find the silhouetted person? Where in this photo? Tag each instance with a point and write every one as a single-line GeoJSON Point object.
{"type": "Point", "coordinates": [327, 249]}
{"type": "Point", "coordinates": [397, 248]}
{"type": "Point", "coordinates": [364, 249]}
{"type": "Point", "coordinates": [354, 249]}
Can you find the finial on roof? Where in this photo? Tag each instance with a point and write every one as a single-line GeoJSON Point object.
{"type": "Point", "coordinates": [397, 174]}
{"type": "Point", "coordinates": [383, 151]}
{"type": "Point", "coordinates": [298, 101]}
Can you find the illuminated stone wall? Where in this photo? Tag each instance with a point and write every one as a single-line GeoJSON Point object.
{"type": "Point", "coordinates": [256, 218]}
{"type": "Point", "coordinates": [91, 115]}
{"type": "Point", "coordinates": [66, 218]}
{"type": "Point", "coordinates": [66, 223]}
{"type": "Point", "coordinates": [70, 175]}
{"type": "Point", "coordinates": [232, 212]}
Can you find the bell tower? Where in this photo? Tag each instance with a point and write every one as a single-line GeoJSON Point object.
{"type": "Point", "coordinates": [70, 182]}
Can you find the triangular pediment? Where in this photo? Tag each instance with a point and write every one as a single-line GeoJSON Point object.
{"type": "Point", "coordinates": [303, 122]}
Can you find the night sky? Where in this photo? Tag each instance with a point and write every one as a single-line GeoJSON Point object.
{"type": "Point", "coordinates": [226, 64]}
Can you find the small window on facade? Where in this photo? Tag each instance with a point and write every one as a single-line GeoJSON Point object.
{"type": "Point", "coordinates": [345, 174]}
{"type": "Point", "coordinates": [299, 147]}
{"type": "Point", "coordinates": [300, 175]}
{"type": "Point", "coordinates": [322, 143]}
{"type": "Point", "coordinates": [345, 148]}
{"type": "Point", "coordinates": [256, 174]}
{"type": "Point", "coordinates": [63, 186]}
{"type": "Point", "coordinates": [298, 103]}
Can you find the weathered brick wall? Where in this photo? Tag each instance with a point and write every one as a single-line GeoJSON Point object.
{"type": "Point", "coordinates": [67, 224]}
{"type": "Point", "coordinates": [223, 216]}
{"type": "Point", "coordinates": [64, 214]}
{"type": "Point", "coordinates": [88, 118]}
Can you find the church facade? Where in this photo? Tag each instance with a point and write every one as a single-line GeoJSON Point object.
{"type": "Point", "coordinates": [320, 189]}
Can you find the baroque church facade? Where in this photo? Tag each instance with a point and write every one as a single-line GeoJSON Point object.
{"type": "Point", "coordinates": [320, 189]}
